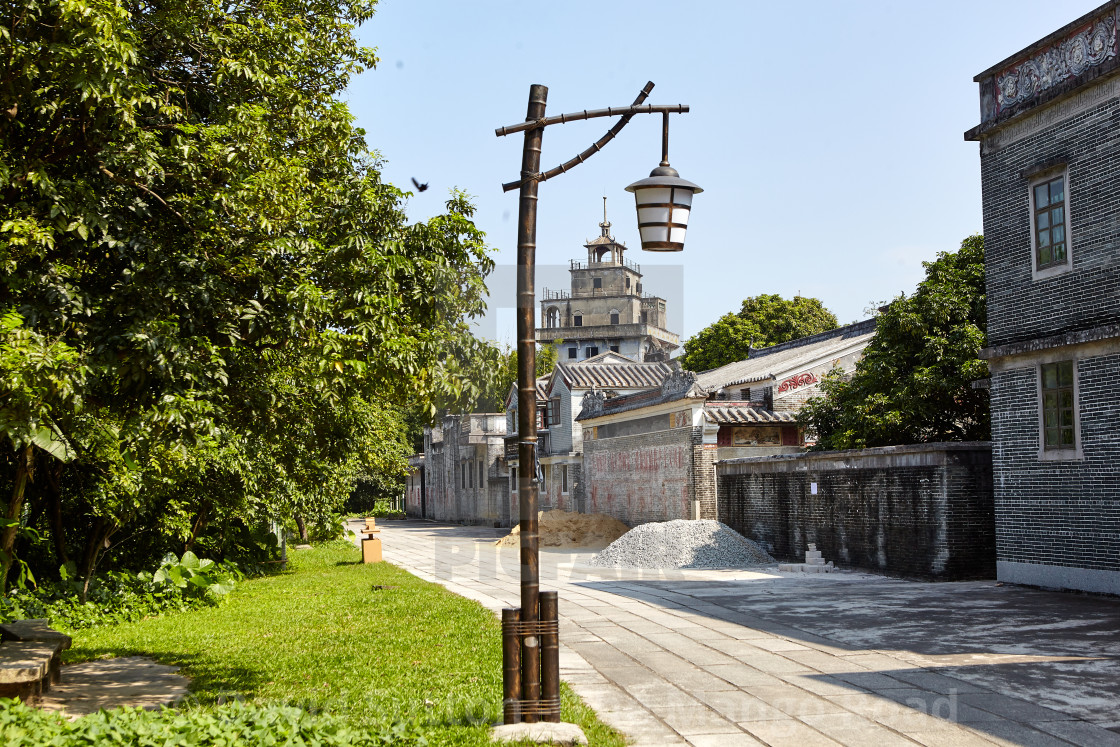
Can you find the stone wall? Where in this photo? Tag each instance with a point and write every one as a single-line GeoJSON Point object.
{"type": "Point", "coordinates": [921, 511]}
{"type": "Point", "coordinates": [641, 477]}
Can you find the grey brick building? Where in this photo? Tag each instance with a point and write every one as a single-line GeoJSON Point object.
{"type": "Point", "coordinates": [1050, 163]}
{"type": "Point", "coordinates": [651, 456]}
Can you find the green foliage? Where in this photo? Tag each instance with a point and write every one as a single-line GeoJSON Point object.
{"type": "Point", "coordinates": [210, 301]}
{"type": "Point", "coordinates": [502, 362]}
{"type": "Point", "coordinates": [194, 577]}
{"type": "Point", "coordinates": [761, 322]}
{"type": "Point", "coordinates": [372, 645]}
{"type": "Point", "coordinates": [913, 384]}
{"type": "Point", "coordinates": [120, 596]}
{"type": "Point", "coordinates": [232, 723]}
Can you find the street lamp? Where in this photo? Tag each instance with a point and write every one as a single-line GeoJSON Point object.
{"type": "Point", "coordinates": [530, 634]}
{"type": "Point", "coordinates": [664, 202]}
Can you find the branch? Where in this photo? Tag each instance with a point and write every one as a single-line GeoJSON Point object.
{"type": "Point", "coordinates": [142, 188]}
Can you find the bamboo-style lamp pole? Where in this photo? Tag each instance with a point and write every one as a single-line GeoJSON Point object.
{"type": "Point", "coordinates": [531, 676]}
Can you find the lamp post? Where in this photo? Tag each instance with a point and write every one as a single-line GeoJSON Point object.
{"type": "Point", "coordinates": [530, 643]}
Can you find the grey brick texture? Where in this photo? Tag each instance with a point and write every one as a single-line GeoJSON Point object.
{"type": "Point", "coordinates": [1064, 513]}
{"type": "Point", "coordinates": [1020, 308]}
{"type": "Point", "coordinates": [922, 511]}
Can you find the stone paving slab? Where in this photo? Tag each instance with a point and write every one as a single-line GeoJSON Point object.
{"type": "Point", "coordinates": [755, 657]}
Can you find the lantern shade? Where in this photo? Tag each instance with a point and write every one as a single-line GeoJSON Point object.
{"type": "Point", "coordinates": [664, 202]}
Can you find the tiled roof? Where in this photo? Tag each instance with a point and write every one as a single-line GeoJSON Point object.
{"type": "Point", "coordinates": [743, 414]}
{"type": "Point", "coordinates": [788, 357]}
{"type": "Point", "coordinates": [613, 375]}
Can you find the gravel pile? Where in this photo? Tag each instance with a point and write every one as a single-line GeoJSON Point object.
{"type": "Point", "coordinates": [682, 544]}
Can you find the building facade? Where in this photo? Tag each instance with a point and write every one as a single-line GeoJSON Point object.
{"type": "Point", "coordinates": [606, 308]}
{"type": "Point", "coordinates": [1050, 164]}
{"type": "Point", "coordinates": [651, 456]}
{"type": "Point", "coordinates": [464, 479]}
{"type": "Point", "coordinates": [560, 435]}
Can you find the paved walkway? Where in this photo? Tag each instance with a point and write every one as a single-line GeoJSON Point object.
{"type": "Point", "coordinates": [133, 681]}
{"type": "Point", "coordinates": [743, 658]}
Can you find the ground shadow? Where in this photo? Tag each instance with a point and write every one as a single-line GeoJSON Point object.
{"type": "Point", "coordinates": [1006, 655]}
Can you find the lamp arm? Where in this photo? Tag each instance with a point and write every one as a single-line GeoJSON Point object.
{"type": "Point", "coordinates": [627, 113]}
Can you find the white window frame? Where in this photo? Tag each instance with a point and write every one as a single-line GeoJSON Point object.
{"type": "Point", "coordinates": [563, 479]}
{"type": "Point", "coordinates": [1059, 455]}
{"type": "Point", "coordinates": [1052, 270]}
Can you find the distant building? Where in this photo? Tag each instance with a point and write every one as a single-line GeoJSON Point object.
{"type": "Point", "coordinates": [606, 308]}
{"type": "Point", "coordinates": [560, 437]}
{"type": "Point", "coordinates": [651, 456]}
{"type": "Point", "coordinates": [464, 479]}
{"type": "Point", "coordinates": [1050, 163]}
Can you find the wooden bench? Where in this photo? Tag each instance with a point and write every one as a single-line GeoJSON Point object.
{"type": "Point", "coordinates": [30, 658]}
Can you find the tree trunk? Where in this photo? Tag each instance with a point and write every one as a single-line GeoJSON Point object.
{"type": "Point", "coordinates": [199, 524]}
{"type": "Point", "coordinates": [24, 464]}
{"type": "Point", "coordinates": [98, 540]}
{"type": "Point", "coordinates": [302, 529]}
{"type": "Point", "coordinates": [53, 490]}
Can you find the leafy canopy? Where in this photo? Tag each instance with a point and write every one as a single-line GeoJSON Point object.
{"type": "Point", "coordinates": [212, 304]}
{"type": "Point", "coordinates": [913, 384]}
{"type": "Point", "coordinates": [762, 321]}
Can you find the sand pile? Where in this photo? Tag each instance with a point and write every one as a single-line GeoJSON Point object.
{"type": "Point", "coordinates": [570, 529]}
{"type": "Point", "coordinates": [682, 544]}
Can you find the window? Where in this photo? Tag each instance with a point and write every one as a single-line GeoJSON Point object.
{"type": "Point", "coordinates": [481, 472]}
{"type": "Point", "coordinates": [552, 317]}
{"type": "Point", "coordinates": [590, 352]}
{"type": "Point", "coordinates": [563, 478]}
{"type": "Point", "coordinates": [614, 317]}
{"type": "Point", "coordinates": [544, 478]}
{"type": "Point", "coordinates": [745, 394]}
{"type": "Point", "coordinates": [596, 282]}
{"type": "Point", "coordinates": [645, 317]}
{"type": "Point", "coordinates": [554, 411]}
{"type": "Point", "coordinates": [470, 474]}
{"type": "Point", "coordinates": [577, 320]}
{"type": "Point", "coordinates": [573, 352]}
{"type": "Point", "coordinates": [1050, 225]}
{"type": "Point", "coordinates": [1059, 421]}
{"type": "Point", "coordinates": [513, 479]}
{"type": "Point", "coordinates": [627, 283]}
{"type": "Point", "coordinates": [463, 477]}
{"type": "Point", "coordinates": [614, 348]}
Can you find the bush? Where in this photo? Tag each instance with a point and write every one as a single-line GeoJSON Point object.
{"type": "Point", "coordinates": [180, 584]}
{"type": "Point", "coordinates": [233, 723]}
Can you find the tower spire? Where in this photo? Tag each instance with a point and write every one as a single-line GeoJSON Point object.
{"type": "Point", "coordinates": [606, 224]}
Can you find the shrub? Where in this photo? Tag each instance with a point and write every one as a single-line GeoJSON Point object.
{"type": "Point", "coordinates": [180, 584]}
{"type": "Point", "coordinates": [229, 724]}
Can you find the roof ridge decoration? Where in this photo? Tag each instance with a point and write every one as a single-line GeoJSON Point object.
{"type": "Point", "coordinates": [593, 403]}
{"type": "Point", "coordinates": [678, 381]}
{"type": "Point", "coordinates": [1091, 45]}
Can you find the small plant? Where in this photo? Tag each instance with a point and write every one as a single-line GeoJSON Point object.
{"type": "Point", "coordinates": [194, 577]}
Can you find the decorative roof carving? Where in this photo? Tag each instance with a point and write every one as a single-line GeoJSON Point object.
{"type": "Point", "coordinates": [678, 381]}
{"type": "Point", "coordinates": [1061, 61]}
{"type": "Point", "coordinates": [593, 403]}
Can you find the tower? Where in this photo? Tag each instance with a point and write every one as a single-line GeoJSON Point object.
{"type": "Point", "coordinates": [606, 309]}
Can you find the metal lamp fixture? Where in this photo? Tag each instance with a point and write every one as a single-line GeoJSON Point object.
{"type": "Point", "coordinates": [530, 633]}
{"type": "Point", "coordinates": [664, 202]}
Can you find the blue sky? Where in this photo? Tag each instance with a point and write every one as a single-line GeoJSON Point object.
{"type": "Point", "coordinates": [827, 136]}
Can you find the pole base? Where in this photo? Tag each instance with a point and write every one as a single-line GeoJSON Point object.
{"type": "Point", "coordinates": [543, 732]}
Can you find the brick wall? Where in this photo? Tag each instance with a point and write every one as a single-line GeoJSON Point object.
{"type": "Point", "coordinates": [1058, 513]}
{"type": "Point", "coordinates": [1058, 522]}
{"type": "Point", "coordinates": [1020, 308]}
{"type": "Point", "coordinates": [642, 477]}
{"type": "Point", "coordinates": [921, 511]}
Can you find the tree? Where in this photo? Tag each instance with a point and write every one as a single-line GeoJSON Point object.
{"type": "Point", "coordinates": [189, 213]}
{"type": "Point", "coordinates": [503, 363]}
{"type": "Point", "coordinates": [762, 321]}
{"type": "Point", "coordinates": [914, 381]}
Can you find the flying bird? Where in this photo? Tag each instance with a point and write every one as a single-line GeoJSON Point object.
{"type": "Point", "coordinates": [419, 187]}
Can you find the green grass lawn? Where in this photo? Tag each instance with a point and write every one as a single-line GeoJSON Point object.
{"type": "Point", "coordinates": [370, 644]}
